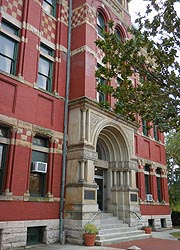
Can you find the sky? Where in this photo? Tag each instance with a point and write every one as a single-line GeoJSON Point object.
{"type": "Point", "coordinates": [136, 6]}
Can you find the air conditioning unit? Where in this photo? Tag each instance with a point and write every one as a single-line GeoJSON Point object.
{"type": "Point", "coordinates": [149, 197]}
{"type": "Point", "coordinates": [40, 167]}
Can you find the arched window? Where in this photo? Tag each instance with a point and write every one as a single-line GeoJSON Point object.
{"type": "Point", "coordinates": [100, 24]}
{"type": "Point", "coordinates": [118, 34]}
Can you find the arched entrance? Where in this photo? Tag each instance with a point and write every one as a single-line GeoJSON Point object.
{"type": "Point", "coordinates": [113, 171]}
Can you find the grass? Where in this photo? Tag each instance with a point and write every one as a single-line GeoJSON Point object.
{"type": "Point", "coordinates": [176, 234]}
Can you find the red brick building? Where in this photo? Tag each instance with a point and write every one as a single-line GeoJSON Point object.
{"type": "Point", "coordinates": [110, 164]}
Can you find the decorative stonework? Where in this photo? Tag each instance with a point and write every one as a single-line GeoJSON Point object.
{"type": "Point", "coordinates": [48, 27]}
{"type": "Point", "coordinates": [83, 49]}
{"type": "Point", "coordinates": [82, 154]}
{"type": "Point", "coordinates": [32, 29]}
{"type": "Point", "coordinates": [115, 7]}
{"type": "Point", "coordinates": [95, 119]}
{"type": "Point", "coordinates": [64, 13]}
{"type": "Point", "coordinates": [14, 8]}
{"type": "Point", "coordinates": [85, 13]}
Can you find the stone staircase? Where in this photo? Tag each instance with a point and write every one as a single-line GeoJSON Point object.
{"type": "Point", "coordinates": [114, 231]}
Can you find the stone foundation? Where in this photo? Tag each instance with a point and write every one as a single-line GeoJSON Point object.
{"type": "Point", "coordinates": [157, 220]}
{"type": "Point", "coordinates": [13, 234]}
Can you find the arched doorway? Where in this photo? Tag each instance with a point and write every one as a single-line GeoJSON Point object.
{"type": "Point", "coordinates": [112, 151]}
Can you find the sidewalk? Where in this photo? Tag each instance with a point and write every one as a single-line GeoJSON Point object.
{"type": "Point", "coordinates": [161, 240]}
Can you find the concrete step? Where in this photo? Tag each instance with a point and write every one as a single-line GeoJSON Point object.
{"type": "Point", "coordinates": [112, 224]}
{"type": "Point", "coordinates": [117, 229]}
{"type": "Point", "coordinates": [107, 241]}
{"type": "Point", "coordinates": [113, 231]}
{"type": "Point", "coordinates": [116, 234]}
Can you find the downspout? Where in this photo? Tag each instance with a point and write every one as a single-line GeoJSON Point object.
{"type": "Point", "coordinates": [63, 178]}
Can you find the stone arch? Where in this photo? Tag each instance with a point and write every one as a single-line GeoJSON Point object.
{"type": "Point", "coordinates": [115, 139]}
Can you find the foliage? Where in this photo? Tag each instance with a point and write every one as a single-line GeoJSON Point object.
{"type": "Point", "coordinates": [152, 55]}
{"type": "Point", "coordinates": [173, 147]}
{"type": "Point", "coordinates": [173, 163]}
{"type": "Point", "coordinates": [175, 216]}
{"type": "Point", "coordinates": [90, 228]}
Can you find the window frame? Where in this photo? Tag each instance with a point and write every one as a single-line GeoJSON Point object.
{"type": "Point", "coordinates": [147, 179]}
{"type": "Point", "coordinates": [47, 56]}
{"type": "Point", "coordinates": [118, 34]}
{"type": "Point", "coordinates": [4, 142]}
{"type": "Point", "coordinates": [101, 24]}
{"type": "Point", "coordinates": [158, 181]}
{"type": "Point", "coordinates": [156, 132]}
{"type": "Point", "coordinates": [52, 6]}
{"type": "Point", "coordinates": [145, 131]}
{"type": "Point", "coordinates": [5, 32]}
{"type": "Point", "coordinates": [42, 150]}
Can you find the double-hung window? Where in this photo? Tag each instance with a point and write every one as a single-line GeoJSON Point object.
{"type": "Point", "coordinates": [39, 159]}
{"type": "Point", "coordinates": [147, 179]}
{"type": "Point", "coordinates": [45, 68]}
{"type": "Point", "coordinates": [158, 179]}
{"type": "Point", "coordinates": [156, 132]}
{"type": "Point", "coordinates": [49, 7]}
{"type": "Point", "coordinates": [4, 141]}
{"type": "Point", "coordinates": [9, 38]}
{"type": "Point", "coordinates": [145, 129]}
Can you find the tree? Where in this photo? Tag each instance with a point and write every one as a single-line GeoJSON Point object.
{"type": "Point", "coordinates": [152, 53]}
{"type": "Point", "coordinates": [173, 163]}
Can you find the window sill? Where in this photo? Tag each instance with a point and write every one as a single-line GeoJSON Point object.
{"type": "Point", "coordinates": [6, 196]}
{"type": "Point", "coordinates": [50, 15]}
{"type": "Point", "coordinates": [49, 198]}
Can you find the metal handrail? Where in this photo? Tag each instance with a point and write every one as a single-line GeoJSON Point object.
{"type": "Point", "coordinates": [94, 216]}
{"type": "Point", "coordinates": [136, 215]}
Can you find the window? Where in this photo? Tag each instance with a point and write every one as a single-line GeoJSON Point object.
{"type": "Point", "coordinates": [145, 129]}
{"type": "Point", "coordinates": [156, 132]}
{"type": "Point", "coordinates": [4, 141]}
{"type": "Point", "coordinates": [100, 24]}
{"type": "Point", "coordinates": [39, 155]}
{"type": "Point", "coordinates": [35, 235]}
{"type": "Point", "coordinates": [101, 97]}
{"type": "Point", "coordinates": [49, 7]}
{"type": "Point", "coordinates": [147, 179]}
{"type": "Point", "coordinates": [118, 35]}
{"type": "Point", "coordinates": [45, 68]}
{"type": "Point", "coordinates": [118, 81]}
{"type": "Point", "coordinates": [8, 47]}
{"type": "Point", "coordinates": [158, 179]}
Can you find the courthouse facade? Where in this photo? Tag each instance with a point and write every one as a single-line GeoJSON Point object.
{"type": "Point", "coordinates": [109, 163]}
